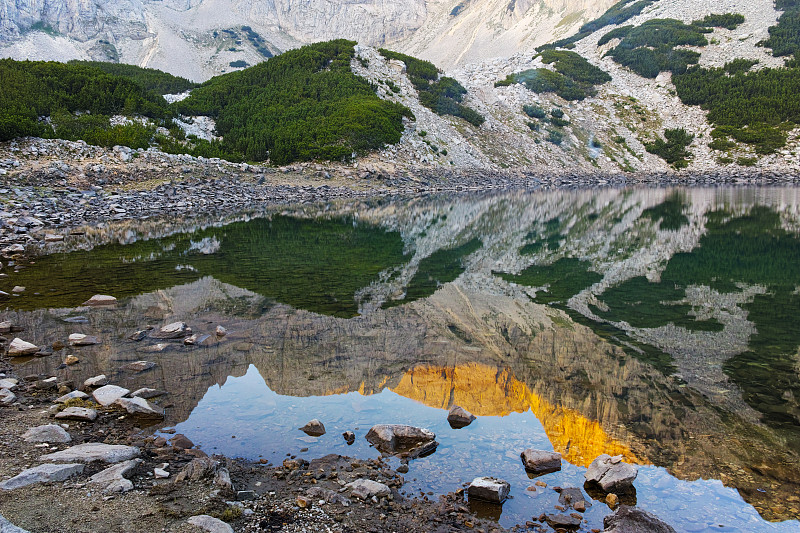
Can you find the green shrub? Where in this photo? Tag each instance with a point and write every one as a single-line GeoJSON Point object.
{"type": "Point", "coordinates": [616, 14]}
{"type": "Point", "coordinates": [555, 136]}
{"type": "Point", "coordinates": [728, 21]}
{"type": "Point", "coordinates": [673, 150]}
{"type": "Point", "coordinates": [534, 111]}
{"type": "Point", "coordinates": [150, 79]}
{"type": "Point", "coordinates": [747, 161]}
{"type": "Point", "coordinates": [784, 37]}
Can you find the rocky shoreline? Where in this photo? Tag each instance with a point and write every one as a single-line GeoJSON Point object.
{"type": "Point", "coordinates": [87, 447]}
{"type": "Point", "coordinates": [50, 187]}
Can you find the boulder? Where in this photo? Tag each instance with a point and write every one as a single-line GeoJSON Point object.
{"type": "Point", "coordinates": [97, 381]}
{"type": "Point", "coordinates": [210, 524]}
{"type": "Point", "coordinates": [8, 527]}
{"type": "Point", "coordinates": [5, 327]}
{"type": "Point", "coordinates": [77, 413]}
{"type": "Point", "coordinates": [20, 348]}
{"type": "Point", "coordinates": [74, 395]}
{"type": "Point", "coordinates": [141, 408]}
{"type": "Point", "coordinates": [196, 469]}
{"type": "Point", "coordinates": [108, 394]}
{"type": "Point", "coordinates": [563, 521]}
{"type": "Point", "coordinates": [458, 417]}
{"type": "Point", "coordinates": [632, 520]}
{"type": "Point", "coordinates": [181, 442]}
{"type": "Point", "coordinates": [489, 489]}
{"type": "Point", "coordinates": [366, 488]}
{"type": "Point", "coordinates": [47, 433]}
{"type": "Point", "coordinates": [314, 428]}
{"type": "Point", "coordinates": [573, 497]}
{"type": "Point", "coordinates": [176, 330]}
{"type": "Point", "coordinates": [140, 366]}
{"type": "Point", "coordinates": [147, 393]}
{"type": "Point", "coordinates": [42, 474]}
{"type": "Point", "coordinates": [7, 397]}
{"type": "Point", "coordinates": [79, 339]}
{"type": "Point", "coordinates": [112, 479]}
{"type": "Point", "coordinates": [611, 474]}
{"type": "Point", "coordinates": [94, 451]}
{"type": "Point", "coordinates": [100, 299]}
{"type": "Point", "coordinates": [394, 438]}
{"type": "Point", "coordinates": [8, 383]}
{"type": "Point", "coordinates": [540, 461]}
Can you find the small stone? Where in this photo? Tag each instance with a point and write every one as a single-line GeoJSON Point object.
{"type": "Point", "coordinates": [181, 442]}
{"type": "Point", "coordinates": [79, 339]}
{"type": "Point", "coordinates": [458, 417]}
{"type": "Point", "coordinates": [160, 473]}
{"type": "Point", "coordinates": [349, 437]}
{"type": "Point", "coordinates": [210, 524]}
{"type": "Point", "coordinates": [245, 495]}
{"type": "Point", "coordinates": [112, 479]}
{"type": "Point", "coordinates": [138, 335]}
{"type": "Point", "coordinates": [5, 327]}
{"type": "Point", "coordinates": [77, 413]}
{"type": "Point", "coordinates": [540, 461]}
{"type": "Point", "coordinates": [7, 397]}
{"type": "Point", "coordinates": [20, 348]}
{"type": "Point", "coordinates": [489, 489]}
{"type": "Point", "coordinates": [147, 393]}
{"type": "Point", "coordinates": [18, 289]}
{"type": "Point", "coordinates": [94, 451]}
{"type": "Point", "coordinates": [220, 331]}
{"type": "Point", "coordinates": [140, 366]}
{"type": "Point", "coordinates": [52, 237]}
{"type": "Point", "coordinates": [97, 381]}
{"type": "Point", "coordinates": [366, 488]}
{"type": "Point", "coordinates": [108, 394]}
{"type": "Point", "coordinates": [175, 330]}
{"type": "Point", "coordinates": [100, 299]}
{"type": "Point", "coordinates": [47, 433]}
{"type": "Point", "coordinates": [302, 502]}
{"type": "Point", "coordinates": [402, 469]}
{"type": "Point", "coordinates": [140, 407]}
{"type": "Point", "coordinates": [612, 500]}
{"type": "Point", "coordinates": [563, 521]}
{"type": "Point", "coordinates": [47, 384]}
{"type": "Point", "coordinates": [314, 428]}
{"type": "Point", "coordinates": [71, 360]}
{"type": "Point", "coordinates": [393, 438]}
{"type": "Point", "coordinates": [42, 474]}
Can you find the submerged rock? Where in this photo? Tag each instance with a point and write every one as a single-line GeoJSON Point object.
{"type": "Point", "coordinates": [175, 330]}
{"type": "Point", "coordinates": [489, 489]}
{"type": "Point", "coordinates": [394, 438]}
{"type": "Point", "coordinates": [458, 417]}
{"type": "Point", "coordinates": [539, 461]}
{"type": "Point", "coordinates": [634, 520]}
{"type": "Point", "coordinates": [79, 339]}
{"type": "Point", "coordinates": [611, 473]}
{"type": "Point", "coordinates": [573, 497]}
{"type": "Point", "coordinates": [100, 299]}
{"type": "Point", "coordinates": [366, 488]}
{"type": "Point", "coordinates": [147, 393]}
{"type": "Point", "coordinates": [558, 521]}
{"type": "Point", "coordinates": [42, 474]}
{"type": "Point", "coordinates": [314, 428]}
{"type": "Point", "coordinates": [140, 366]}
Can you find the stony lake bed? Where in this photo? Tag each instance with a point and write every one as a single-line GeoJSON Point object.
{"type": "Point", "coordinates": [619, 321]}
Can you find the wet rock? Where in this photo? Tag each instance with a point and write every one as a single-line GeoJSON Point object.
{"type": "Point", "coordinates": [42, 474]}
{"type": "Point", "coordinates": [176, 330]}
{"type": "Point", "coordinates": [181, 442]}
{"type": "Point", "coordinates": [97, 381]}
{"type": "Point", "coordinates": [79, 339]}
{"type": "Point", "coordinates": [612, 500]}
{"type": "Point", "coordinates": [74, 395]}
{"type": "Point", "coordinates": [489, 489]}
{"type": "Point", "coordinates": [539, 461]}
{"type": "Point", "coordinates": [393, 438]}
{"type": "Point", "coordinates": [402, 469]}
{"type": "Point", "coordinates": [329, 496]}
{"type": "Point", "coordinates": [47, 433]}
{"type": "Point", "coordinates": [100, 300]}
{"type": "Point", "coordinates": [77, 413]}
{"type": "Point", "coordinates": [210, 524]}
{"type": "Point", "coordinates": [155, 348]}
{"type": "Point", "coordinates": [314, 428]}
{"type": "Point", "coordinates": [573, 497]}
{"type": "Point", "coordinates": [147, 393]}
{"type": "Point", "coordinates": [94, 451]}
{"type": "Point", "coordinates": [108, 394]}
{"type": "Point", "coordinates": [71, 360]}
{"type": "Point", "coordinates": [349, 437]}
{"type": "Point", "coordinates": [20, 348]}
{"type": "Point", "coordinates": [611, 473]}
{"type": "Point", "coordinates": [458, 417]}
{"type": "Point", "coordinates": [365, 489]}
{"type": "Point", "coordinates": [141, 408]}
{"type": "Point", "coordinates": [113, 479]}
{"type": "Point", "coordinates": [634, 520]}
{"type": "Point", "coordinates": [563, 521]}
{"type": "Point", "coordinates": [140, 366]}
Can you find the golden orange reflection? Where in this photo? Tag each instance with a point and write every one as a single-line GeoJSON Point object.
{"type": "Point", "coordinates": [489, 391]}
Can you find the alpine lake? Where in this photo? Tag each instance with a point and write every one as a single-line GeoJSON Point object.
{"type": "Point", "coordinates": [662, 325]}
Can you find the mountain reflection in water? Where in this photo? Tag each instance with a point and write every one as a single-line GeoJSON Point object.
{"type": "Point", "coordinates": [655, 324]}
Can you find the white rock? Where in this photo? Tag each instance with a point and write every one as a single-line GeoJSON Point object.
{"type": "Point", "coordinates": [97, 381]}
{"type": "Point", "coordinates": [7, 397]}
{"type": "Point", "coordinates": [5, 327]}
{"type": "Point", "coordinates": [147, 393]}
{"type": "Point", "coordinates": [19, 347]}
{"type": "Point", "coordinates": [611, 473]}
{"type": "Point", "coordinates": [79, 339]}
{"type": "Point", "coordinates": [140, 366]}
{"type": "Point", "coordinates": [108, 394]}
{"type": "Point", "coordinates": [140, 407]}
{"type": "Point", "coordinates": [94, 451]}
{"type": "Point", "coordinates": [489, 489]}
{"type": "Point", "coordinates": [100, 299]}
{"type": "Point", "coordinates": [8, 383]}
{"type": "Point", "coordinates": [46, 433]}
{"type": "Point", "coordinates": [366, 488]}
{"type": "Point", "coordinates": [77, 413]}
{"type": "Point", "coordinates": [210, 524]}
{"type": "Point", "coordinates": [176, 330]}
{"type": "Point", "coordinates": [160, 473]}
{"type": "Point", "coordinates": [42, 474]}
{"type": "Point", "coordinates": [112, 479]}
{"type": "Point", "coordinates": [76, 394]}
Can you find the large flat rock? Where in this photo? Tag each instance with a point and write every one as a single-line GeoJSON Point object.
{"type": "Point", "coordinates": [47, 433]}
{"type": "Point", "coordinates": [109, 394]}
{"type": "Point", "coordinates": [77, 413]}
{"type": "Point", "coordinates": [113, 479]}
{"type": "Point", "coordinates": [20, 348]}
{"type": "Point", "coordinates": [94, 451]}
{"type": "Point", "coordinates": [210, 524]}
{"type": "Point", "coordinates": [42, 474]}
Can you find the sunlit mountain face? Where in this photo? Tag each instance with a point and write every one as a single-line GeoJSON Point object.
{"type": "Point", "coordinates": [655, 324]}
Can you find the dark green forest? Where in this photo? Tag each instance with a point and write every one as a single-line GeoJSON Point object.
{"type": "Point", "coordinates": [441, 95]}
{"type": "Point", "coordinates": [149, 78]}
